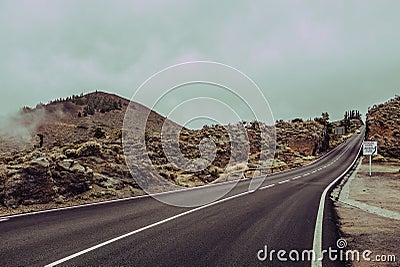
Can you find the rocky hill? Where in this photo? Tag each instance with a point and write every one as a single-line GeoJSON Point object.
{"type": "Point", "coordinates": [301, 142]}
{"type": "Point", "coordinates": [383, 125]}
{"type": "Point", "coordinates": [73, 152]}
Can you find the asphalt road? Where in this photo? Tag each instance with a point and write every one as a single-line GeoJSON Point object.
{"type": "Point", "coordinates": [281, 215]}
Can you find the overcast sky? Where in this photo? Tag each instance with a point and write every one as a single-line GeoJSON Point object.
{"type": "Point", "coordinates": [306, 56]}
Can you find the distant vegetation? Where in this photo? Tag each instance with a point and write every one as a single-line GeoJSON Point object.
{"type": "Point", "coordinates": [348, 116]}
{"type": "Point", "coordinates": [97, 103]}
{"type": "Point", "coordinates": [92, 103]}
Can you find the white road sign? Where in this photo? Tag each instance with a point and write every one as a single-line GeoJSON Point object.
{"type": "Point", "coordinates": [370, 148]}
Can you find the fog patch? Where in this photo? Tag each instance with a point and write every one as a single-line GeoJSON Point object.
{"type": "Point", "coordinates": [19, 130]}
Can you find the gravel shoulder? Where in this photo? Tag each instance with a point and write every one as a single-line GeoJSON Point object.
{"type": "Point", "coordinates": [368, 209]}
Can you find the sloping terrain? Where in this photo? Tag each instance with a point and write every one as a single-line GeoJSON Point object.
{"type": "Point", "coordinates": [383, 125]}
{"type": "Point", "coordinates": [74, 148]}
{"type": "Point", "coordinates": [71, 151]}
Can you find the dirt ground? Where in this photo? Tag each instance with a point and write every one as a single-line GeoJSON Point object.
{"type": "Point", "coordinates": [368, 209]}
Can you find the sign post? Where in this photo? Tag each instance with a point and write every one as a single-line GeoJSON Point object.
{"type": "Point", "coordinates": [370, 165]}
{"type": "Point", "coordinates": [370, 148]}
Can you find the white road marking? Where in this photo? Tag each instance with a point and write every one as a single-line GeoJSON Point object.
{"type": "Point", "coordinates": [4, 219]}
{"type": "Point", "coordinates": [314, 171]}
{"type": "Point", "coordinates": [297, 177]}
{"type": "Point", "coordinates": [317, 242]}
{"type": "Point", "coordinates": [267, 186]}
{"type": "Point", "coordinates": [142, 229]}
{"type": "Point", "coordinates": [306, 174]}
{"type": "Point", "coordinates": [284, 181]}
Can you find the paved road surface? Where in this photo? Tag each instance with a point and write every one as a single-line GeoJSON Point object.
{"type": "Point", "coordinates": [280, 215]}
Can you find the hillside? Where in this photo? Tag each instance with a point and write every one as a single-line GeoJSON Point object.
{"type": "Point", "coordinates": [301, 142]}
{"type": "Point", "coordinates": [72, 152]}
{"type": "Point", "coordinates": [383, 125]}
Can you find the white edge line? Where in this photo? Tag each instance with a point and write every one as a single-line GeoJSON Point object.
{"type": "Point", "coordinates": [3, 220]}
{"type": "Point", "coordinates": [142, 229]}
{"type": "Point", "coordinates": [317, 242]}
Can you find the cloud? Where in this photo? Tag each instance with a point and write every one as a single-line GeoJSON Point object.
{"type": "Point", "coordinates": [307, 57]}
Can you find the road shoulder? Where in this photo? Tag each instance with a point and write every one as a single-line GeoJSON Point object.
{"type": "Point", "coordinates": [368, 210]}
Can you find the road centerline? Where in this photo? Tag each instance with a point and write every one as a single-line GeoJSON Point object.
{"type": "Point", "coordinates": [284, 181]}
{"type": "Point", "coordinates": [267, 186]}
